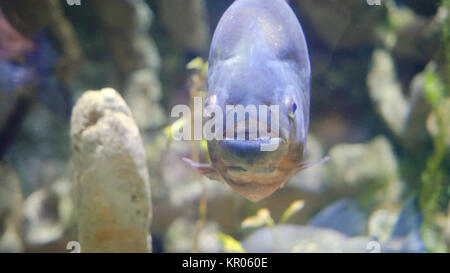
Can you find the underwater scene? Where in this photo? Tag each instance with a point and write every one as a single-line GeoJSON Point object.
{"type": "Point", "coordinates": [221, 126]}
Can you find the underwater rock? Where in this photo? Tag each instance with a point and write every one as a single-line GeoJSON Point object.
{"type": "Point", "coordinates": [112, 193]}
{"type": "Point", "coordinates": [294, 238]}
{"type": "Point", "coordinates": [381, 223]}
{"type": "Point", "coordinates": [180, 237]}
{"type": "Point", "coordinates": [343, 216]}
{"type": "Point", "coordinates": [405, 116]}
{"type": "Point", "coordinates": [130, 45]}
{"type": "Point", "coordinates": [406, 235]}
{"type": "Point", "coordinates": [343, 24]}
{"type": "Point", "coordinates": [183, 183]}
{"type": "Point", "coordinates": [386, 92]}
{"type": "Point", "coordinates": [143, 92]}
{"type": "Point", "coordinates": [49, 216]}
{"type": "Point", "coordinates": [413, 37]}
{"type": "Point", "coordinates": [41, 152]}
{"type": "Point", "coordinates": [186, 21]}
{"type": "Point", "coordinates": [135, 56]}
{"type": "Point", "coordinates": [311, 179]}
{"type": "Point", "coordinates": [177, 190]}
{"type": "Point", "coordinates": [11, 210]}
{"type": "Point", "coordinates": [330, 13]}
{"type": "Point", "coordinates": [423, 7]}
{"type": "Point", "coordinates": [370, 167]}
{"type": "Point", "coordinates": [410, 218]}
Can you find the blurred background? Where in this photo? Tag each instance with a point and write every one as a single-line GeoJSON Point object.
{"type": "Point", "coordinates": [380, 108]}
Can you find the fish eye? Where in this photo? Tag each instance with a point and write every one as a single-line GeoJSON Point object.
{"type": "Point", "coordinates": [293, 107]}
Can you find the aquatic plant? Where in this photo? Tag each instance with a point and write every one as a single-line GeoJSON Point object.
{"type": "Point", "coordinates": [433, 197]}
{"type": "Point", "coordinates": [262, 218]}
{"type": "Point", "coordinates": [197, 89]}
{"type": "Point", "coordinates": [433, 174]}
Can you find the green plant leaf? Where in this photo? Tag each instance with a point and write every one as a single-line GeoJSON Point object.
{"type": "Point", "coordinates": [291, 210]}
{"type": "Point", "coordinates": [261, 218]}
{"type": "Point", "coordinates": [176, 126]}
{"type": "Point", "coordinates": [230, 244]}
{"type": "Point", "coordinates": [196, 64]}
{"type": "Point", "coordinates": [433, 88]}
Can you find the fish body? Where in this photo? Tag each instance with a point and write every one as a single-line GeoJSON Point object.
{"type": "Point", "coordinates": [259, 56]}
{"type": "Point", "coordinates": [38, 68]}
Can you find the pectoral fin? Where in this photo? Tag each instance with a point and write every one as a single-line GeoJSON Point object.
{"type": "Point", "coordinates": [305, 165]}
{"type": "Point", "coordinates": [205, 169]}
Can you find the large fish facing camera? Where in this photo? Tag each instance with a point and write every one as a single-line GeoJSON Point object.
{"type": "Point", "coordinates": [259, 57]}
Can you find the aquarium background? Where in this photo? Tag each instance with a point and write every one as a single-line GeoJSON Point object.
{"type": "Point", "coordinates": [380, 109]}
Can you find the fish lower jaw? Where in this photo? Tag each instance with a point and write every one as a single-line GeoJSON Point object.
{"type": "Point", "coordinates": [254, 191]}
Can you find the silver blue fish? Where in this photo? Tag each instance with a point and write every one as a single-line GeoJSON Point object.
{"type": "Point", "coordinates": [259, 56]}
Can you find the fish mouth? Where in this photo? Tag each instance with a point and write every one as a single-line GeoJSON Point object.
{"type": "Point", "coordinates": [244, 184]}
{"type": "Point", "coordinates": [250, 170]}
{"type": "Point", "coordinates": [244, 153]}
{"type": "Point", "coordinates": [240, 169]}
{"type": "Point", "coordinates": [236, 169]}
{"type": "Point", "coordinates": [255, 191]}
{"type": "Point", "coordinates": [251, 130]}
{"type": "Point", "coordinates": [263, 173]}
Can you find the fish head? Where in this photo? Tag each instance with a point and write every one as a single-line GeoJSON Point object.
{"type": "Point", "coordinates": [255, 164]}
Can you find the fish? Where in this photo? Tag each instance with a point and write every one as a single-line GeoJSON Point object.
{"type": "Point", "coordinates": [12, 44]}
{"type": "Point", "coordinates": [259, 56]}
{"type": "Point", "coordinates": [37, 68]}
